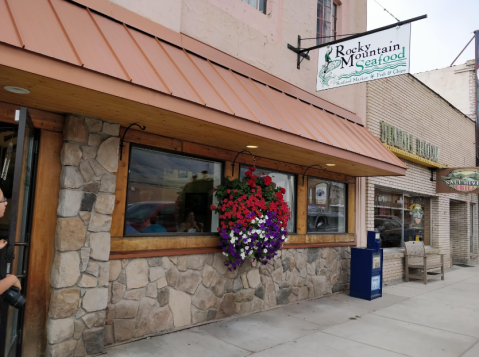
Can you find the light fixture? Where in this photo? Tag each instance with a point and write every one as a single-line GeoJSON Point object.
{"type": "Point", "coordinates": [251, 146]}
{"type": "Point", "coordinates": [16, 90]}
{"type": "Point", "coordinates": [330, 164]}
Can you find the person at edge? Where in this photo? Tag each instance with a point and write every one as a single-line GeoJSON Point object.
{"type": "Point", "coordinates": [9, 280]}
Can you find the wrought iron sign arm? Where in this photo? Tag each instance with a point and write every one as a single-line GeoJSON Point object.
{"type": "Point", "coordinates": [303, 52]}
{"type": "Point", "coordinates": [123, 138]}
{"type": "Point", "coordinates": [233, 164]}
{"type": "Point", "coordinates": [433, 170]}
{"type": "Point", "coordinates": [304, 173]}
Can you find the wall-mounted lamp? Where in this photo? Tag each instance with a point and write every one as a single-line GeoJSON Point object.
{"type": "Point", "coordinates": [123, 138]}
{"type": "Point", "coordinates": [304, 174]}
{"type": "Point", "coordinates": [233, 164]}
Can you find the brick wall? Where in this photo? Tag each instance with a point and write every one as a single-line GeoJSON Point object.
{"type": "Point", "coordinates": [407, 104]}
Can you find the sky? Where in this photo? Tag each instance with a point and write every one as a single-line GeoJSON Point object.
{"type": "Point", "coordinates": [437, 40]}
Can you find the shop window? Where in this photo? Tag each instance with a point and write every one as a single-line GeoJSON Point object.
{"type": "Point", "coordinates": [257, 4]}
{"type": "Point", "coordinates": [326, 206]}
{"type": "Point", "coordinates": [326, 21]}
{"type": "Point", "coordinates": [401, 217]}
{"type": "Point", "coordinates": [170, 193]}
{"type": "Point", "coordinates": [286, 181]}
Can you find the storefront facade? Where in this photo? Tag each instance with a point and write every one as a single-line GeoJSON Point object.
{"type": "Point", "coordinates": [121, 241]}
{"type": "Point", "coordinates": [427, 133]}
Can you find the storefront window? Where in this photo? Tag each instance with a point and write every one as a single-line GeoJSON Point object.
{"type": "Point", "coordinates": [326, 206]}
{"type": "Point", "coordinates": [170, 193]}
{"type": "Point", "coordinates": [286, 181]}
{"type": "Point", "coordinates": [401, 217]}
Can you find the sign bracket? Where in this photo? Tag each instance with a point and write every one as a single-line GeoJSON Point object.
{"type": "Point", "coordinates": [303, 53]}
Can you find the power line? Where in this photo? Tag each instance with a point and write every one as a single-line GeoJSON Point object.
{"type": "Point", "coordinates": [387, 11]}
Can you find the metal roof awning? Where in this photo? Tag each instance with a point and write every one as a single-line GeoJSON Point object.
{"type": "Point", "coordinates": [55, 39]}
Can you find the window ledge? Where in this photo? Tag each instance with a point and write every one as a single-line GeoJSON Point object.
{"type": "Point", "coordinates": [397, 253]}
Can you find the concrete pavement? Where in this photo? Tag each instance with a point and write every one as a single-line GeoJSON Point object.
{"type": "Point", "coordinates": [411, 319]}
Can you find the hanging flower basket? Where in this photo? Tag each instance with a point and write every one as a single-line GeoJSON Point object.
{"type": "Point", "coordinates": [253, 218]}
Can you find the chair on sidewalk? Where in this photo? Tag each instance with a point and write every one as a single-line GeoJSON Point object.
{"type": "Point", "coordinates": [416, 258]}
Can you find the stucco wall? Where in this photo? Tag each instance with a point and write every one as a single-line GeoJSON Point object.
{"type": "Point", "coordinates": [241, 31]}
{"type": "Point", "coordinates": [456, 84]}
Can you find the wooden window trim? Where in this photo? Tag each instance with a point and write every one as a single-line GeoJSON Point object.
{"type": "Point", "coordinates": [123, 247]}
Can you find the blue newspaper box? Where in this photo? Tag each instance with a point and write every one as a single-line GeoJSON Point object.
{"type": "Point", "coordinates": [367, 269]}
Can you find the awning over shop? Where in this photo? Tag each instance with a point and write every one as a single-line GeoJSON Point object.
{"type": "Point", "coordinates": [56, 44]}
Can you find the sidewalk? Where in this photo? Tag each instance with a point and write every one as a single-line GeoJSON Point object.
{"type": "Point", "coordinates": [411, 319]}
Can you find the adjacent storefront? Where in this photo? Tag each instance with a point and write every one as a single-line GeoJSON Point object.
{"type": "Point", "coordinates": [429, 135]}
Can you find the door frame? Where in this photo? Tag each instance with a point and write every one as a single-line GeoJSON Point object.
{"type": "Point", "coordinates": [15, 204]}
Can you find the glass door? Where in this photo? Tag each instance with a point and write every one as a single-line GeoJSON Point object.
{"type": "Point", "coordinates": [17, 176]}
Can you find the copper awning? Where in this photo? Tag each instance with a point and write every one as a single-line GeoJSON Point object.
{"type": "Point", "coordinates": [75, 35]}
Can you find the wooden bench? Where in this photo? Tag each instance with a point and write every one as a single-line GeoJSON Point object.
{"type": "Point", "coordinates": [416, 258]}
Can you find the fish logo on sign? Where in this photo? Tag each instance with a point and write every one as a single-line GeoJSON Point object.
{"type": "Point", "coordinates": [463, 180]}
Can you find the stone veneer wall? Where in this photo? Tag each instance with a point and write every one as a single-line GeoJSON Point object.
{"type": "Point", "coordinates": [156, 295]}
{"type": "Point", "coordinates": [79, 275]}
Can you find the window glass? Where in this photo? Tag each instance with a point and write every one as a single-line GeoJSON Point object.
{"type": "Point", "coordinates": [323, 21]}
{"type": "Point", "coordinates": [169, 193]}
{"type": "Point", "coordinates": [401, 217]}
{"type": "Point", "coordinates": [417, 219]}
{"type": "Point", "coordinates": [257, 4]}
{"type": "Point", "coordinates": [284, 180]}
{"type": "Point", "coordinates": [326, 206]}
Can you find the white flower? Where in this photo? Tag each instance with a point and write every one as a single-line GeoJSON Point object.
{"type": "Point", "coordinates": [245, 236]}
{"type": "Point", "coordinates": [232, 240]}
{"type": "Point", "coordinates": [265, 250]}
{"type": "Point", "coordinates": [283, 236]}
{"type": "Point", "coordinates": [243, 255]}
{"type": "Point", "coordinates": [286, 240]}
{"type": "Point", "coordinates": [265, 217]}
{"type": "Point", "coordinates": [247, 248]}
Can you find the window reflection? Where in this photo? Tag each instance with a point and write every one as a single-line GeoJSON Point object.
{"type": "Point", "coordinates": [326, 206]}
{"type": "Point", "coordinates": [169, 193]}
{"type": "Point", "coordinates": [401, 217]}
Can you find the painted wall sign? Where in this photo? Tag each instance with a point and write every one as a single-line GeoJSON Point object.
{"type": "Point", "coordinates": [400, 139]}
{"type": "Point", "coordinates": [458, 180]}
{"type": "Point", "coordinates": [379, 55]}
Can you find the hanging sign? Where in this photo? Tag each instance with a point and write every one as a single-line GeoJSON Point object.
{"type": "Point", "coordinates": [458, 180]}
{"type": "Point", "coordinates": [378, 55]}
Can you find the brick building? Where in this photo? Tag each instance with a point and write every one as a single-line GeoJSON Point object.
{"type": "Point", "coordinates": [408, 207]}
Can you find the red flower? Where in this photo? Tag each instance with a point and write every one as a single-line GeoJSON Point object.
{"type": "Point", "coordinates": [267, 180]}
{"type": "Point", "coordinates": [251, 183]}
{"type": "Point", "coordinates": [213, 207]}
{"type": "Point", "coordinates": [252, 168]}
{"type": "Point", "coordinates": [253, 190]}
{"type": "Point", "coordinates": [228, 190]}
{"type": "Point", "coordinates": [248, 174]}
{"type": "Point", "coordinates": [283, 190]}
{"type": "Point", "coordinates": [279, 195]}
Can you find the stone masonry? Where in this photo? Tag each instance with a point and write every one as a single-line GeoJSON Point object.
{"type": "Point", "coordinates": [80, 270]}
{"type": "Point", "coordinates": [148, 296]}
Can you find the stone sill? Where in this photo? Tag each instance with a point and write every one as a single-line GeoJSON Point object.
{"type": "Point", "coordinates": [398, 253]}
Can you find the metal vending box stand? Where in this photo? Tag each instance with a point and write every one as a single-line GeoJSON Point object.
{"type": "Point", "coordinates": [367, 269]}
